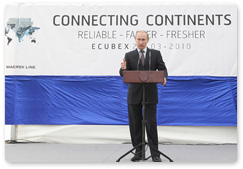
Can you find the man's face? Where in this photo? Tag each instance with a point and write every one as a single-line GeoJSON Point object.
{"type": "Point", "coordinates": [141, 40]}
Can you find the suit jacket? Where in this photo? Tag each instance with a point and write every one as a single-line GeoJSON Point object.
{"type": "Point", "coordinates": [135, 91]}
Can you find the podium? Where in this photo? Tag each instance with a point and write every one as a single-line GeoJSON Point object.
{"type": "Point", "coordinates": [143, 77]}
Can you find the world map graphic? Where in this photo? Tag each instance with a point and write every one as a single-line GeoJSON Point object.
{"type": "Point", "coordinates": [22, 27]}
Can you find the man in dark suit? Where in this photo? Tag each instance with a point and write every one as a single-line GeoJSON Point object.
{"type": "Point", "coordinates": [138, 59]}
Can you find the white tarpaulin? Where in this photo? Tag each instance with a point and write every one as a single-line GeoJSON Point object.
{"type": "Point", "coordinates": [62, 62]}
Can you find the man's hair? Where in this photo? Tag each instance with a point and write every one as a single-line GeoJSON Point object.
{"type": "Point", "coordinates": [143, 32]}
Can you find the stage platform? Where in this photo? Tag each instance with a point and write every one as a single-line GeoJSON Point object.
{"type": "Point", "coordinates": [109, 153]}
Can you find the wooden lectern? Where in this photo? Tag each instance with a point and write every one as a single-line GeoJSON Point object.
{"type": "Point", "coordinates": [143, 77]}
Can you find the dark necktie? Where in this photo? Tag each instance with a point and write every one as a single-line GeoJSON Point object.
{"type": "Point", "coordinates": [142, 57]}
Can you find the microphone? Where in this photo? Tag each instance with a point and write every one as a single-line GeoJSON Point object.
{"type": "Point", "coordinates": [149, 60]}
{"type": "Point", "coordinates": [138, 62]}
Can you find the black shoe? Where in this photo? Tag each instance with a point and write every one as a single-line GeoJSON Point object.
{"type": "Point", "coordinates": [136, 158]}
{"type": "Point", "coordinates": [156, 159]}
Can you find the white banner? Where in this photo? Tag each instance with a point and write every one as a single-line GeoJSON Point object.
{"type": "Point", "coordinates": [92, 39]}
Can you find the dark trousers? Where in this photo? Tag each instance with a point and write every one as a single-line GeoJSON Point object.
{"type": "Point", "coordinates": [135, 125]}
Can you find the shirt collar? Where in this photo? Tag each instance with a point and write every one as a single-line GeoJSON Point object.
{"type": "Point", "coordinates": [145, 50]}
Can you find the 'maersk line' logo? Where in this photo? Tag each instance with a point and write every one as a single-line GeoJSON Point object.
{"type": "Point", "coordinates": [21, 27]}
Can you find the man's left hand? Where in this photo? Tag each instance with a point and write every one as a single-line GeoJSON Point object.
{"type": "Point", "coordinates": [165, 80]}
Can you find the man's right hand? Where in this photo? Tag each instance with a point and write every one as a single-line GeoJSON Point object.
{"type": "Point", "coordinates": [124, 64]}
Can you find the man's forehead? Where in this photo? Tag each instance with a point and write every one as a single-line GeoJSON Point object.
{"type": "Point", "coordinates": [142, 35]}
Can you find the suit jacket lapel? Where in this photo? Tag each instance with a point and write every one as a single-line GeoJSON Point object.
{"type": "Point", "coordinates": [136, 55]}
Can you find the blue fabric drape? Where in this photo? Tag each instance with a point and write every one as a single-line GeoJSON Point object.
{"type": "Point", "coordinates": [67, 100]}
